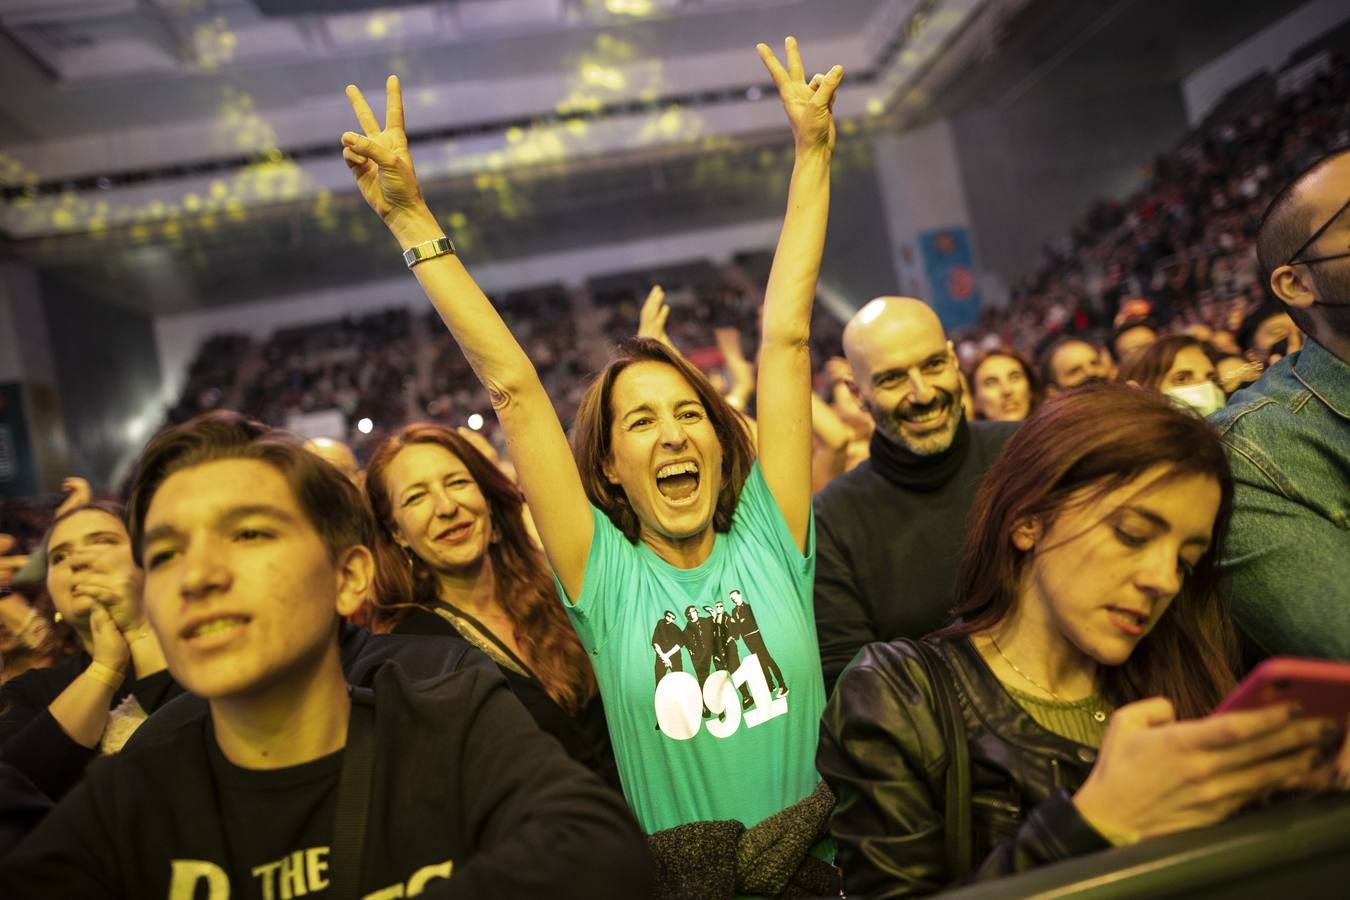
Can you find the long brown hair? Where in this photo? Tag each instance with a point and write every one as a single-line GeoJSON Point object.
{"type": "Point", "coordinates": [1095, 440]}
{"type": "Point", "coordinates": [522, 584]}
{"type": "Point", "coordinates": [595, 417]}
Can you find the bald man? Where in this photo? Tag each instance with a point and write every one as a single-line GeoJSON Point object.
{"type": "Point", "coordinates": [889, 533]}
{"type": "Point", "coordinates": [337, 454]}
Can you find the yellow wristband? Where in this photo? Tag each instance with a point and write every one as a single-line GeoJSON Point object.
{"type": "Point", "coordinates": [104, 675]}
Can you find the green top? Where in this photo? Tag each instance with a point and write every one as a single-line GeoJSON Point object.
{"type": "Point", "coordinates": [1083, 720]}
{"type": "Point", "coordinates": [710, 675]}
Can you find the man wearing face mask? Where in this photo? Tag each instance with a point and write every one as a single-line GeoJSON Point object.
{"type": "Point", "coordinates": [888, 533]}
{"type": "Point", "coordinates": [1287, 557]}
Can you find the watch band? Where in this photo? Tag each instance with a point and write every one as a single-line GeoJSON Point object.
{"type": "Point", "coordinates": [428, 250]}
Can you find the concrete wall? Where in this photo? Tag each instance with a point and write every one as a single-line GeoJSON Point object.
{"type": "Point", "coordinates": [1267, 50]}
{"type": "Point", "coordinates": [108, 378]}
{"type": "Point", "coordinates": [27, 360]}
{"type": "Point", "coordinates": [1032, 165]}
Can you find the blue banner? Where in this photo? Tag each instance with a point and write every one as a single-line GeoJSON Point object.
{"type": "Point", "coordinates": [949, 264]}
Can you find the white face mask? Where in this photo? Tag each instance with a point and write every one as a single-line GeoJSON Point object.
{"type": "Point", "coordinates": [1202, 399]}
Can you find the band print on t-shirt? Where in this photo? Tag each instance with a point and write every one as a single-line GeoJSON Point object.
{"type": "Point", "coordinates": [724, 688]}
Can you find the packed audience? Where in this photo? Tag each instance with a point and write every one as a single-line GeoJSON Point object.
{"type": "Point", "coordinates": [1187, 239]}
{"type": "Point", "coordinates": [882, 625]}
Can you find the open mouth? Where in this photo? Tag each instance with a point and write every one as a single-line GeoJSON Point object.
{"type": "Point", "coordinates": [677, 481]}
{"type": "Point", "coordinates": [214, 627]}
{"type": "Point", "coordinates": [1128, 620]}
{"type": "Point", "coordinates": [925, 415]}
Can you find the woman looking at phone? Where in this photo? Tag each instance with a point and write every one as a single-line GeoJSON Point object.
{"type": "Point", "coordinates": [675, 549]}
{"type": "Point", "coordinates": [1090, 646]}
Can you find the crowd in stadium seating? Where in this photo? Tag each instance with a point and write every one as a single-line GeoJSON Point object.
{"type": "Point", "coordinates": [1186, 240]}
{"type": "Point", "coordinates": [943, 623]}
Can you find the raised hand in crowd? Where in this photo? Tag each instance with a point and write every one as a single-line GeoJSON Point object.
{"type": "Point", "coordinates": [741, 371]}
{"type": "Point", "coordinates": [78, 493]}
{"type": "Point", "coordinates": [844, 400]}
{"type": "Point", "coordinates": [10, 562]}
{"type": "Point", "coordinates": [653, 315]}
{"type": "Point", "coordinates": [383, 168]}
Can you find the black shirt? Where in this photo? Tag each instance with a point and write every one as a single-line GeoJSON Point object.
{"type": "Point", "coordinates": [262, 810]}
{"type": "Point", "coordinates": [468, 799]}
{"type": "Point", "coordinates": [34, 743]}
{"type": "Point", "coordinates": [888, 540]}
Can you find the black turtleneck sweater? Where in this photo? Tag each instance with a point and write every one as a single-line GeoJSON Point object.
{"type": "Point", "coordinates": [888, 538]}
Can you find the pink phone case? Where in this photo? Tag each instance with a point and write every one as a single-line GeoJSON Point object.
{"type": "Point", "coordinates": [1320, 687]}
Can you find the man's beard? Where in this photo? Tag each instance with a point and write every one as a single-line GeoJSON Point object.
{"type": "Point", "coordinates": [891, 424]}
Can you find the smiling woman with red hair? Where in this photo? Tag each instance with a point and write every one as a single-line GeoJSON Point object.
{"type": "Point", "coordinates": [453, 556]}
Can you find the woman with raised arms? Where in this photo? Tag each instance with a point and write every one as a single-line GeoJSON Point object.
{"type": "Point", "coordinates": [674, 548]}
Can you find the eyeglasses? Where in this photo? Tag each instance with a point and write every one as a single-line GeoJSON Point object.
{"type": "Point", "coordinates": [1295, 261]}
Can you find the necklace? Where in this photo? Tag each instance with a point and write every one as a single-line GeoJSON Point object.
{"type": "Point", "coordinates": [1097, 714]}
{"type": "Point", "coordinates": [1030, 680]}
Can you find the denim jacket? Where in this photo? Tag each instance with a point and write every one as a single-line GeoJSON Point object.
{"type": "Point", "coordinates": [1287, 558]}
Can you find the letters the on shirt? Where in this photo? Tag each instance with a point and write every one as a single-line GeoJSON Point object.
{"type": "Point", "coordinates": [297, 874]}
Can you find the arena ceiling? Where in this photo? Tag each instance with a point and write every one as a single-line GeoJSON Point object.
{"type": "Point", "coordinates": [173, 154]}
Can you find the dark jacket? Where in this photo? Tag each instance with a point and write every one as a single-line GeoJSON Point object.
{"type": "Point", "coordinates": [34, 743]}
{"type": "Point", "coordinates": [584, 736]}
{"type": "Point", "coordinates": [883, 753]}
{"type": "Point", "coordinates": [465, 791]}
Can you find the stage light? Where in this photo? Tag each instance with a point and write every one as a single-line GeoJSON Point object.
{"type": "Point", "coordinates": [365, 426]}
{"type": "Point", "coordinates": [476, 422]}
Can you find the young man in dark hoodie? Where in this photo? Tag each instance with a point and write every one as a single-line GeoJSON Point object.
{"type": "Point", "coordinates": [291, 783]}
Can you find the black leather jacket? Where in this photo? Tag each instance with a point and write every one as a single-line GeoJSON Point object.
{"type": "Point", "coordinates": [882, 751]}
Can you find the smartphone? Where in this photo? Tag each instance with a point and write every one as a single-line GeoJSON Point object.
{"type": "Point", "coordinates": [1321, 688]}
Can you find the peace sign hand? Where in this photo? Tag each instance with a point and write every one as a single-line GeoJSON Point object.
{"type": "Point", "coordinates": [379, 160]}
{"type": "Point", "coordinates": [809, 106]}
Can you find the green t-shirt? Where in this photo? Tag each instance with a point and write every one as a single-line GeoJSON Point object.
{"type": "Point", "coordinates": [714, 710]}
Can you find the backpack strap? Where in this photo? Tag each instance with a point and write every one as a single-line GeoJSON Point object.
{"type": "Point", "coordinates": [353, 799]}
{"type": "Point", "coordinates": [957, 794]}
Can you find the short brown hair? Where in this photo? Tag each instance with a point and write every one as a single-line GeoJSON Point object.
{"type": "Point", "coordinates": [595, 418]}
{"type": "Point", "coordinates": [330, 502]}
{"type": "Point", "coordinates": [1147, 366]}
{"type": "Point", "coordinates": [1097, 439]}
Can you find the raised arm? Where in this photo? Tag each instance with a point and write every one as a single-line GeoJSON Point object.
{"type": "Point", "coordinates": [740, 369]}
{"type": "Point", "coordinates": [382, 166]}
{"type": "Point", "coordinates": [784, 382]}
